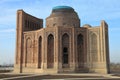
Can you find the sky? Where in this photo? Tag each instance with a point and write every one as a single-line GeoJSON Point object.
{"type": "Point", "coordinates": [89, 11]}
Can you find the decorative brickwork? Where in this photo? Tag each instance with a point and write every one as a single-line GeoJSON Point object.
{"type": "Point", "coordinates": [63, 46]}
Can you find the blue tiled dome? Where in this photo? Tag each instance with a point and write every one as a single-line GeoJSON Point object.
{"type": "Point", "coordinates": [62, 7]}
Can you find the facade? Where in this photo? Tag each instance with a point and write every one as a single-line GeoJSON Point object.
{"type": "Point", "coordinates": [62, 46]}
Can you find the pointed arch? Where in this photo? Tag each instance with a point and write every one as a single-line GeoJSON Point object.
{"type": "Point", "coordinates": [50, 51]}
{"type": "Point", "coordinates": [94, 51]}
{"type": "Point", "coordinates": [65, 50]}
{"type": "Point", "coordinates": [65, 39]}
{"type": "Point", "coordinates": [39, 52]}
{"type": "Point", "coordinates": [80, 50]}
{"type": "Point", "coordinates": [28, 51]}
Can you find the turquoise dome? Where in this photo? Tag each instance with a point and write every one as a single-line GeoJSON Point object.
{"type": "Point", "coordinates": [62, 7]}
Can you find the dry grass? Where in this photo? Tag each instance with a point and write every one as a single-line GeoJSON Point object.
{"type": "Point", "coordinates": [5, 71]}
{"type": "Point", "coordinates": [115, 67]}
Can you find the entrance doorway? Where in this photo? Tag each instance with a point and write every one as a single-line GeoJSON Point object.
{"type": "Point", "coordinates": [65, 51]}
{"type": "Point", "coordinates": [65, 57]}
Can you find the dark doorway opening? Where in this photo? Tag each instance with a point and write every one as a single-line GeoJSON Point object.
{"type": "Point", "coordinates": [65, 55]}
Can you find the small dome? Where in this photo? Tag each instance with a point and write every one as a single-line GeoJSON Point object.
{"type": "Point", "coordinates": [86, 26]}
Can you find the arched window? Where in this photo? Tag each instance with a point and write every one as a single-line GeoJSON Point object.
{"type": "Point", "coordinates": [40, 52]}
{"type": "Point", "coordinates": [80, 50]}
{"type": "Point", "coordinates": [28, 51]}
{"type": "Point", "coordinates": [50, 51]}
{"type": "Point", "coordinates": [65, 51]}
{"type": "Point", "coordinates": [94, 47]}
{"type": "Point", "coordinates": [65, 40]}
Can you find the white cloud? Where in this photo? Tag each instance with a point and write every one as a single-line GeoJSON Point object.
{"type": "Point", "coordinates": [7, 30]}
{"type": "Point", "coordinates": [8, 16]}
{"type": "Point", "coordinates": [114, 29]}
{"type": "Point", "coordinates": [3, 1]}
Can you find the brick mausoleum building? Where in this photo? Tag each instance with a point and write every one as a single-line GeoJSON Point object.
{"type": "Point", "coordinates": [62, 46]}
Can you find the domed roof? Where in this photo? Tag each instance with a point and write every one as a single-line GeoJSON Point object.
{"type": "Point", "coordinates": [86, 25]}
{"type": "Point", "coordinates": [62, 7]}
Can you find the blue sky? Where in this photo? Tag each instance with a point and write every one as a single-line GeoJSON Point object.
{"type": "Point", "coordinates": [89, 11]}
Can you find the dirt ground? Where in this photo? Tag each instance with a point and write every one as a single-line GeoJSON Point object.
{"type": "Point", "coordinates": [9, 75]}
{"type": "Point", "coordinates": [42, 77]}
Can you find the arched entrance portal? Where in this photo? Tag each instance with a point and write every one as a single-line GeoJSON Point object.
{"type": "Point", "coordinates": [50, 51]}
{"type": "Point", "coordinates": [80, 51]}
{"type": "Point", "coordinates": [65, 51]}
{"type": "Point", "coordinates": [40, 52]}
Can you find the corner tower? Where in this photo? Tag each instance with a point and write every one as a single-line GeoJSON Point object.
{"type": "Point", "coordinates": [63, 16]}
